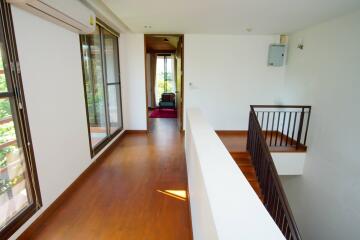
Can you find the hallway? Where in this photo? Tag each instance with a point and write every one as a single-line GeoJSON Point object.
{"type": "Point", "coordinates": [125, 196]}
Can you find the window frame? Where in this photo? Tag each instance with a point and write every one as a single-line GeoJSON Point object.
{"type": "Point", "coordinates": [16, 94]}
{"type": "Point", "coordinates": [109, 136]}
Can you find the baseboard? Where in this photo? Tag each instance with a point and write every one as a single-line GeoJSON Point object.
{"type": "Point", "coordinates": [135, 131]}
{"type": "Point", "coordinates": [67, 193]}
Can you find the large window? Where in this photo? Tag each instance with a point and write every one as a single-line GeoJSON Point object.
{"type": "Point", "coordinates": [19, 190]}
{"type": "Point", "coordinates": [100, 59]}
{"type": "Point", "coordinates": [165, 77]}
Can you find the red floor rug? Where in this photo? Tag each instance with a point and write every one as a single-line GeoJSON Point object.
{"type": "Point", "coordinates": [163, 113]}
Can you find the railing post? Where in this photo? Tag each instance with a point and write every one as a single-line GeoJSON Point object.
{"type": "Point", "coordinates": [248, 133]}
{"type": "Point", "coordinates": [274, 196]}
{"type": "Point", "coordinates": [298, 140]}
{"type": "Point", "coordinates": [307, 125]}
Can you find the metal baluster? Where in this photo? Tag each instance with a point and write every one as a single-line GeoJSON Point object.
{"type": "Point", "coordinates": [288, 129]}
{"type": "Point", "coordinates": [282, 129]}
{"type": "Point", "coordinates": [277, 128]}
{"type": "Point", "coordinates": [307, 126]}
{"type": "Point", "coordinates": [272, 128]}
{"type": "Point", "coordinates": [294, 126]}
{"type": "Point", "coordinates": [267, 125]}
{"type": "Point", "coordinates": [300, 129]}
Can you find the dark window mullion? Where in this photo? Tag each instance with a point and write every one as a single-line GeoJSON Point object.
{"type": "Point", "coordinates": [92, 83]}
{"type": "Point", "coordinates": [113, 83]}
{"type": "Point", "coordinates": [104, 73]}
{"type": "Point", "coordinates": [20, 120]}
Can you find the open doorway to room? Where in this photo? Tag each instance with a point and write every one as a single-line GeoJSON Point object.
{"type": "Point", "coordinates": [164, 80]}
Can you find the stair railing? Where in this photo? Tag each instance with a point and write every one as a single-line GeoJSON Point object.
{"type": "Point", "coordinates": [284, 125]}
{"type": "Point", "coordinates": [274, 197]}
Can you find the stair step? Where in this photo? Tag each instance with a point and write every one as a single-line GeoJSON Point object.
{"type": "Point", "coordinates": [250, 175]}
{"type": "Point", "coordinates": [247, 169]}
{"type": "Point", "coordinates": [243, 160]}
{"type": "Point", "coordinates": [255, 185]}
{"type": "Point", "coordinates": [240, 154]}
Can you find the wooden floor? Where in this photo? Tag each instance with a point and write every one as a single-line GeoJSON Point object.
{"type": "Point", "coordinates": [125, 197]}
{"type": "Point", "coordinates": [235, 141]}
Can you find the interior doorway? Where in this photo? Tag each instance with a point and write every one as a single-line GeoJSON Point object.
{"type": "Point", "coordinates": [164, 67]}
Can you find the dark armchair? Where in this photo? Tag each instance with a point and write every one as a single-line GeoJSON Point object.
{"type": "Point", "coordinates": [167, 100]}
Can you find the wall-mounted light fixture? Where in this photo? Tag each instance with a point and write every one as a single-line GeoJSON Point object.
{"type": "Point", "coordinates": [300, 44]}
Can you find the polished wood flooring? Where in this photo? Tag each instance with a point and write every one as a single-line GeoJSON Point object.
{"type": "Point", "coordinates": [126, 196]}
{"type": "Point", "coordinates": [235, 141]}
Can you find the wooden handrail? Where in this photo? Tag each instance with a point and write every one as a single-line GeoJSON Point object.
{"type": "Point", "coordinates": [280, 106]}
{"type": "Point", "coordinates": [274, 196]}
{"type": "Point", "coordinates": [284, 125]}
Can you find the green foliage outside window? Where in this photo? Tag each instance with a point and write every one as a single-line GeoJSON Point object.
{"type": "Point", "coordinates": [7, 134]}
{"type": "Point", "coordinates": [165, 83]}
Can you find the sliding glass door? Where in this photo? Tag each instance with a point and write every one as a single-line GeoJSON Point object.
{"type": "Point", "coordinates": [100, 59]}
{"type": "Point", "coordinates": [19, 190]}
{"type": "Point", "coordinates": [111, 53]}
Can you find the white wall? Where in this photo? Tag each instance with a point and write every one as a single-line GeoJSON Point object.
{"type": "Point", "coordinates": [223, 204]}
{"type": "Point", "coordinates": [53, 85]}
{"type": "Point", "coordinates": [132, 64]}
{"type": "Point", "coordinates": [233, 68]}
{"type": "Point", "coordinates": [228, 73]}
{"type": "Point", "coordinates": [289, 163]}
{"type": "Point", "coordinates": [325, 74]}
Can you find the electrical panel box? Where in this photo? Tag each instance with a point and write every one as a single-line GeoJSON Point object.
{"type": "Point", "coordinates": [276, 55]}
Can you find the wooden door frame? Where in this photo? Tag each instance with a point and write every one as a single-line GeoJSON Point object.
{"type": "Point", "coordinates": [181, 36]}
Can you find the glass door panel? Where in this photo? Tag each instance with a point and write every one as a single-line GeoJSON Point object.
{"type": "Point", "coordinates": [115, 117]}
{"type": "Point", "coordinates": [112, 80]}
{"type": "Point", "coordinates": [15, 192]}
{"type": "Point", "coordinates": [111, 57]}
{"type": "Point", "coordinates": [100, 59]}
{"type": "Point", "coordinates": [94, 85]}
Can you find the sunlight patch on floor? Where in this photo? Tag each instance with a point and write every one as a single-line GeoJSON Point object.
{"type": "Point", "coordinates": [178, 194]}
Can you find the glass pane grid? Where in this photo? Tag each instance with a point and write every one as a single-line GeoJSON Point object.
{"type": "Point", "coordinates": [14, 192]}
{"type": "Point", "coordinates": [102, 85]}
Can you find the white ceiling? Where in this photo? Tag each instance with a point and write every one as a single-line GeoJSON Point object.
{"type": "Point", "coordinates": [227, 16]}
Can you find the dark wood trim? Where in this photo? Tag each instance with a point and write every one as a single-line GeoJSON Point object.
{"type": "Point", "coordinates": [136, 131]}
{"type": "Point", "coordinates": [181, 37]}
{"type": "Point", "coordinates": [181, 117]}
{"type": "Point", "coordinates": [280, 106]}
{"type": "Point", "coordinates": [146, 88]}
{"type": "Point", "coordinates": [231, 131]}
{"type": "Point", "coordinates": [85, 95]}
{"type": "Point", "coordinates": [164, 34]}
{"type": "Point", "coordinates": [64, 196]}
{"type": "Point", "coordinates": [107, 27]}
{"type": "Point", "coordinates": [160, 51]}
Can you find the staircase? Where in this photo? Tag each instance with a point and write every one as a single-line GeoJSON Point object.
{"type": "Point", "coordinates": [243, 160]}
{"type": "Point", "coordinates": [280, 128]}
